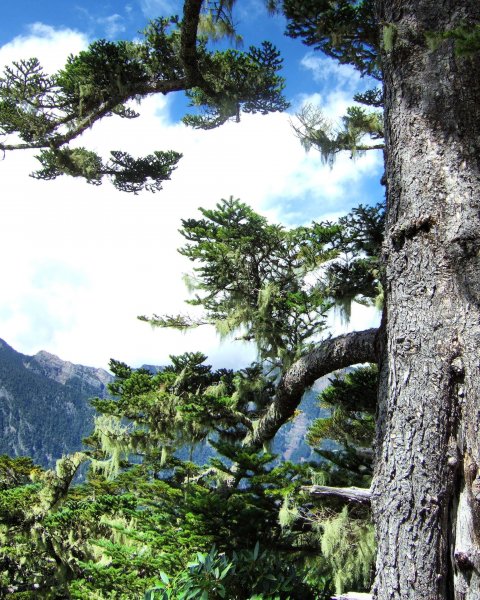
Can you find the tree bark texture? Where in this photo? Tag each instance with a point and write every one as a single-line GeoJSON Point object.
{"type": "Point", "coordinates": [425, 495]}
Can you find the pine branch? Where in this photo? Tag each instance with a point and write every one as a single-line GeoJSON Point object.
{"type": "Point", "coordinates": [331, 355]}
{"type": "Point", "coordinates": [189, 57]}
{"type": "Point", "coordinates": [181, 322]}
{"type": "Point", "coordinates": [103, 110]}
{"type": "Point", "coordinates": [47, 113]}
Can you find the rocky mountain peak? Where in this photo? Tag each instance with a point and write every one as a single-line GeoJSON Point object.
{"type": "Point", "coordinates": [45, 410]}
{"type": "Point", "coordinates": [64, 371]}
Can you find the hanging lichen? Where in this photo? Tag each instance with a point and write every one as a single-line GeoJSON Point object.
{"type": "Point", "coordinates": [348, 546]}
{"type": "Point", "coordinates": [114, 441]}
{"type": "Point", "coordinates": [288, 513]}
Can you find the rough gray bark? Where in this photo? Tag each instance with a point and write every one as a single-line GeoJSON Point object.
{"type": "Point", "coordinates": [425, 494]}
{"type": "Point", "coordinates": [330, 355]}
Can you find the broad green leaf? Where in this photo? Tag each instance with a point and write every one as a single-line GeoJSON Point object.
{"type": "Point", "coordinates": [164, 577]}
{"type": "Point", "coordinates": [256, 550]}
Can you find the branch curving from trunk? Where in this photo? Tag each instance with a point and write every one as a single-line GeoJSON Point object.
{"type": "Point", "coordinates": [330, 355]}
{"type": "Point", "coordinates": [351, 494]}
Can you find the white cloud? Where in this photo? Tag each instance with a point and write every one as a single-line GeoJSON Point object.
{"type": "Point", "coordinates": [81, 262]}
{"type": "Point", "coordinates": [110, 26]}
{"type": "Point", "coordinates": [114, 24]}
{"type": "Point", "coordinates": [328, 71]}
{"type": "Point", "coordinates": [52, 46]}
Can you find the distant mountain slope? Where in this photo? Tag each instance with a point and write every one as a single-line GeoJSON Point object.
{"type": "Point", "coordinates": [45, 413]}
{"type": "Point", "coordinates": [44, 408]}
{"type": "Point", "coordinates": [289, 443]}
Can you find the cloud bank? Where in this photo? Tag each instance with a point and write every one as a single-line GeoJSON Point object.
{"type": "Point", "coordinates": [81, 262]}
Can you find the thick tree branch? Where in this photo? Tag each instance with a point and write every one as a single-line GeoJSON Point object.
{"type": "Point", "coordinates": [58, 140]}
{"type": "Point", "coordinates": [84, 123]}
{"type": "Point", "coordinates": [188, 48]}
{"type": "Point", "coordinates": [351, 494]}
{"type": "Point", "coordinates": [332, 354]}
{"type": "Point", "coordinates": [353, 596]}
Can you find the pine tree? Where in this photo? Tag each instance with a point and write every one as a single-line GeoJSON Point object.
{"type": "Point", "coordinates": [426, 56]}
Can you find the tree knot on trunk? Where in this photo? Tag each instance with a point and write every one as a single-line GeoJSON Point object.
{"type": "Point", "coordinates": [407, 231]}
{"type": "Point", "coordinates": [476, 489]}
{"type": "Point", "coordinates": [463, 560]}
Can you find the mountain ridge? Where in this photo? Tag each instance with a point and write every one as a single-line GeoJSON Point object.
{"type": "Point", "coordinates": [44, 408]}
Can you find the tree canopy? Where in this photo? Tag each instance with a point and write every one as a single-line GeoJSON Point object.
{"type": "Point", "coordinates": [155, 516]}
{"type": "Point", "coordinates": [48, 111]}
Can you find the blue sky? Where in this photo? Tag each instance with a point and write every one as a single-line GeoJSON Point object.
{"type": "Point", "coordinates": [80, 262]}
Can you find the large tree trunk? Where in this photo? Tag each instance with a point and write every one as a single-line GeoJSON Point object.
{"type": "Point", "coordinates": [426, 491]}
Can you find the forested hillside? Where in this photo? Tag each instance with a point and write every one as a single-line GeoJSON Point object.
{"type": "Point", "coordinates": [44, 404]}
{"type": "Point", "coordinates": [45, 409]}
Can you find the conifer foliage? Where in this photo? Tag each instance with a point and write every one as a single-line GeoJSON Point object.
{"type": "Point", "coordinates": [182, 498]}
{"type": "Point", "coordinates": [47, 112]}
